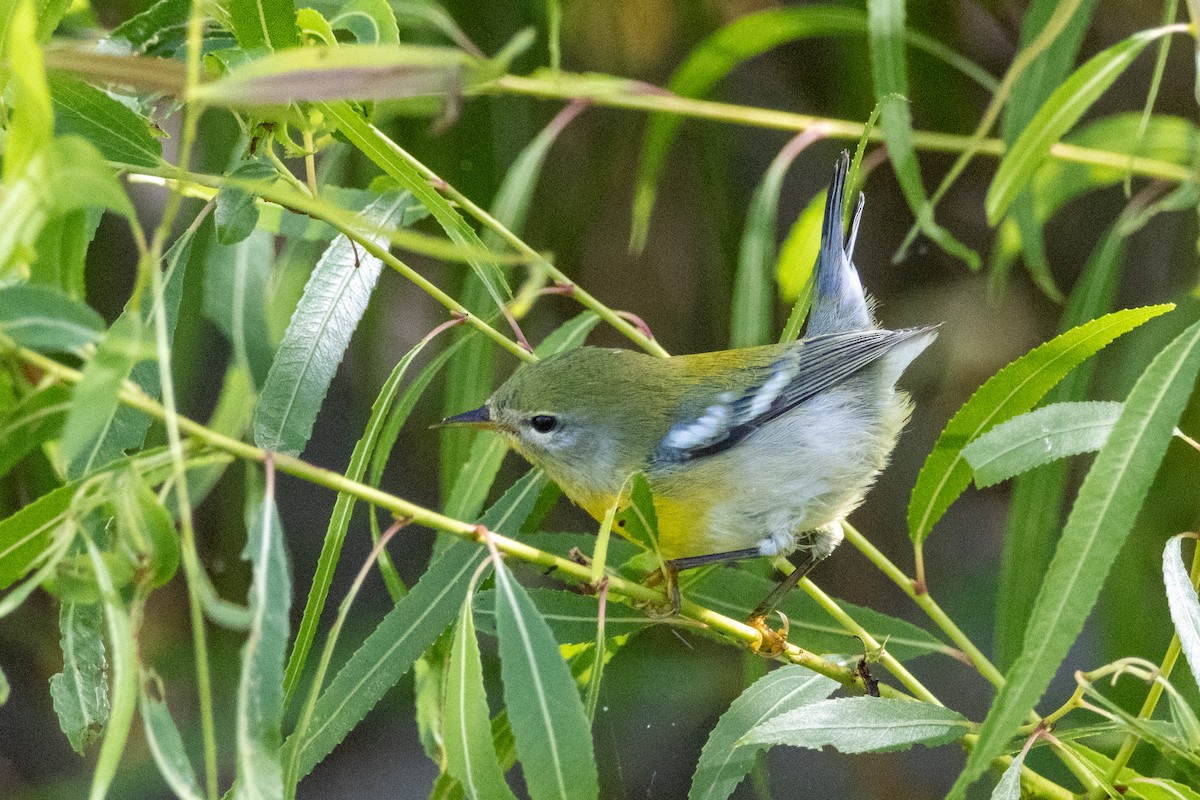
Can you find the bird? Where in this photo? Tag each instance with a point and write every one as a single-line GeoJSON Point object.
{"type": "Point", "coordinates": [750, 452]}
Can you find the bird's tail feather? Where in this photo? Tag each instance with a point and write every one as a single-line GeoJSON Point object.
{"type": "Point", "coordinates": [839, 303]}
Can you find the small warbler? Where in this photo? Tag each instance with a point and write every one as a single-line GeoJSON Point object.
{"type": "Point", "coordinates": [760, 451]}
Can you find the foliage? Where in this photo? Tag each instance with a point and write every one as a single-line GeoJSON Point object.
{"type": "Point", "coordinates": [267, 290]}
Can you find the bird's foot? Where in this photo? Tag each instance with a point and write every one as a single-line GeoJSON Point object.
{"type": "Point", "coordinates": [668, 606]}
{"type": "Point", "coordinates": [770, 642]}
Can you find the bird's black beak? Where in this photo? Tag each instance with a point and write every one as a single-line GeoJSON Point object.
{"type": "Point", "coordinates": [478, 418]}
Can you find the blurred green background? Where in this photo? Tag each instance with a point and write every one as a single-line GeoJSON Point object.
{"type": "Point", "coordinates": [663, 693]}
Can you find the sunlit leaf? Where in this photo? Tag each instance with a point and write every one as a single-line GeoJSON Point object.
{"type": "Point", "coordinates": [1103, 514]}
{"type": "Point", "coordinates": [554, 739]}
{"type": "Point", "coordinates": [1009, 785]}
{"type": "Point", "coordinates": [1058, 115]}
{"type": "Point", "coordinates": [61, 249]}
{"type": "Point", "coordinates": [264, 23]}
{"type": "Point", "coordinates": [1039, 437]}
{"type": "Point", "coordinates": [370, 21]}
{"type": "Point", "coordinates": [31, 116]}
{"type": "Point", "coordinates": [470, 755]}
{"type": "Point", "coordinates": [723, 762]}
{"type": "Point", "coordinates": [861, 725]}
{"type": "Point", "coordinates": [116, 131]}
{"type": "Point", "coordinates": [1136, 785]}
{"type": "Point", "coordinates": [1185, 608]}
{"type": "Point", "coordinates": [1011, 391]}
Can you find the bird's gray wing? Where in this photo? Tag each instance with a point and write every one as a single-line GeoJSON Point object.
{"type": "Point", "coordinates": [812, 367]}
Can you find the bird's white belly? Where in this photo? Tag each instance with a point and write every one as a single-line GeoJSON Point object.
{"type": "Point", "coordinates": [800, 472]}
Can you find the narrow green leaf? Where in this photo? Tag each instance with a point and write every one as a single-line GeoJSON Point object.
{"type": "Point", "coordinates": [1009, 785]}
{"type": "Point", "coordinates": [46, 319]}
{"type": "Point", "coordinates": [236, 214]}
{"type": "Point", "coordinates": [348, 72]}
{"type": "Point", "coordinates": [80, 691]}
{"type": "Point", "coordinates": [260, 689]}
{"type": "Point", "coordinates": [1058, 115]}
{"type": "Point", "coordinates": [165, 743]}
{"type": "Point", "coordinates": [739, 41]}
{"type": "Point", "coordinates": [66, 175]}
{"type": "Point", "coordinates": [31, 120]}
{"type": "Point", "coordinates": [1184, 605]}
{"type": "Point", "coordinates": [95, 398]}
{"type": "Point", "coordinates": [158, 30]}
{"type": "Point", "coordinates": [5, 689]}
{"type": "Point", "coordinates": [1031, 89]}
{"type": "Point", "coordinates": [119, 133]}
{"type": "Point", "coordinates": [334, 300]}
{"type": "Point", "coordinates": [1103, 514]}
{"type": "Point", "coordinates": [861, 725]}
{"type": "Point", "coordinates": [1011, 391]}
{"type": "Point", "coordinates": [37, 419]}
{"type": "Point", "coordinates": [572, 617]}
{"type": "Point", "coordinates": [339, 520]}
{"type": "Point", "coordinates": [417, 620]}
{"type": "Point", "coordinates": [752, 314]}
{"type": "Point", "coordinates": [889, 71]}
{"type": "Point", "coordinates": [25, 534]}
{"type": "Point", "coordinates": [126, 428]}
{"type": "Point", "coordinates": [264, 23]}
{"type": "Point", "coordinates": [723, 763]}
{"type": "Point", "coordinates": [1039, 437]}
{"type": "Point", "coordinates": [1137, 786]}
{"type": "Point", "coordinates": [554, 739]}
{"type": "Point", "coordinates": [389, 652]}
{"type": "Point", "coordinates": [386, 154]}
{"type": "Point", "coordinates": [124, 675]}
{"type": "Point", "coordinates": [736, 592]}
{"type": "Point", "coordinates": [638, 521]}
{"type": "Point", "coordinates": [470, 754]}
{"type": "Point", "coordinates": [145, 526]}
{"type": "Point", "coordinates": [61, 249]}
{"type": "Point", "coordinates": [235, 299]}
{"type": "Point", "coordinates": [369, 21]}
{"type": "Point", "coordinates": [1035, 514]}
{"type": "Point", "coordinates": [798, 255]}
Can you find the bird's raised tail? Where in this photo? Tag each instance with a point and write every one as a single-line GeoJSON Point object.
{"type": "Point", "coordinates": [838, 304]}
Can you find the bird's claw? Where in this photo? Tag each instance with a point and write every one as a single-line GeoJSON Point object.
{"type": "Point", "coordinates": [770, 642]}
{"type": "Point", "coordinates": [668, 606]}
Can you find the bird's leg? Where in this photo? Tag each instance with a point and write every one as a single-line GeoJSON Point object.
{"type": "Point", "coordinates": [671, 569]}
{"type": "Point", "coordinates": [773, 642]}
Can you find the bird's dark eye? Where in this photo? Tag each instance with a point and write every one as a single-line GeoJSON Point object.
{"type": "Point", "coordinates": [543, 423]}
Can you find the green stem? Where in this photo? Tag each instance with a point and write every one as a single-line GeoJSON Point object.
{"type": "Point", "coordinates": [346, 228]}
{"type": "Point", "coordinates": [630, 95]}
{"type": "Point", "coordinates": [887, 659]}
{"type": "Point", "coordinates": [927, 604]}
{"type": "Point", "coordinates": [610, 316]}
{"type": "Point", "coordinates": [191, 558]}
{"type": "Point", "coordinates": [1156, 688]}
